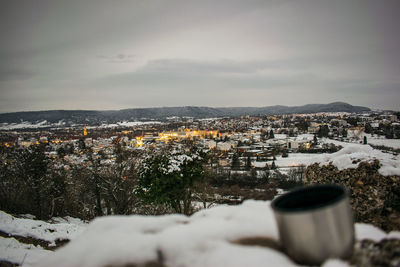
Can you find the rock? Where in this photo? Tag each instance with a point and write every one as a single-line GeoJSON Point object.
{"type": "Point", "coordinates": [368, 253]}
{"type": "Point", "coordinates": [375, 198]}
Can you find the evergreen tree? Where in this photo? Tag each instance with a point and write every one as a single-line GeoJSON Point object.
{"type": "Point", "coordinates": [344, 133]}
{"type": "Point", "coordinates": [315, 139]}
{"type": "Point", "coordinates": [323, 131]}
{"type": "Point", "coordinates": [82, 144]}
{"type": "Point", "coordinates": [35, 167]}
{"type": "Point", "coordinates": [368, 128]}
{"type": "Point", "coordinates": [29, 183]}
{"type": "Point", "coordinates": [248, 163]}
{"type": "Point", "coordinates": [61, 152]}
{"type": "Point", "coordinates": [253, 173]}
{"type": "Point", "coordinates": [235, 161]}
{"type": "Point", "coordinates": [169, 179]}
{"type": "Point", "coordinates": [271, 134]}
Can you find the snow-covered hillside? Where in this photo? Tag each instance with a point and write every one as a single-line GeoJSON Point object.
{"type": "Point", "coordinates": [348, 157]}
{"type": "Point", "coordinates": [212, 237]}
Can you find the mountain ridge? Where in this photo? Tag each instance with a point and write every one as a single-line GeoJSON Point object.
{"type": "Point", "coordinates": [96, 116]}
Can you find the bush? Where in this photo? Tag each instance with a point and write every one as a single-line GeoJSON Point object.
{"type": "Point", "coordinates": [169, 179]}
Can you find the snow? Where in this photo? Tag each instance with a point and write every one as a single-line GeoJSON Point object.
{"type": "Point", "coordinates": [13, 251]}
{"type": "Point", "coordinates": [335, 263]}
{"type": "Point", "coordinates": [280, 136]}
{"type": "Point", "coordinates": [348, 157]}
{"type": "Point", "coordinates": [23, 125]}
{"type": "Point", "coordinates": [351, 154]}
{"type": "Point", "coordinates": [382, 141]}
{"type": "Point", "coordinates": [204, 239]}
{"type": "Point", "coordinates": [394, 234]}
{"type": "Point", "coordinates": [368, 231]}
{"type": "Point", "coordinates": [296, 159]}
{"type": "Point", "coordinates": [175, 162]}
{"type": "Point", "coordinates": [305, 137]}
{"type": "Point", "coordinates": [44, 124]}
{"type": "Point", "coordinates": [259, 164]}
{"type": "Point", "coordinates": [127, 124]}
{"type": "Point", "coordinates": [29, 125]}
{"type": "Point", "coordinates": [200, 240]}
{"type": "Point", "coordinates": [50, 232]}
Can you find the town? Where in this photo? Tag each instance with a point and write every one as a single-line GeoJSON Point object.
{"type": "Point", "coordinates": [250, 135]}
{"type": "Point", "coordinates": [249, 157]}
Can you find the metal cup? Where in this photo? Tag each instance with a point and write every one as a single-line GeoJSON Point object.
{"type": "Point", "coordinates": [315, 223]}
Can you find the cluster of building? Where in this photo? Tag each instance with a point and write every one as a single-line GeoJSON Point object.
{"type": "Point", "coordinates": [249, 136]}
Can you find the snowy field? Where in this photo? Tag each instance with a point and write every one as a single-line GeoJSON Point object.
{"type": "Point", "coordinates": [126, 124]}
{"type": "Point", "coordinates": [348, 157]}
{"type": "Point", "coordinates": [377, 140]}
{"type": "Point", "coordinates": [28, 125]}
{"type": "Point", "coordinates": [207, 238]}
{"type": "Point", "coordinates": [382, 141]}
{"type": "Point", "coordinates": [45, 124]}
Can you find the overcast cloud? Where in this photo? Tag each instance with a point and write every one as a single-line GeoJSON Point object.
{"type": "Point", "coordinates": [83, 54]}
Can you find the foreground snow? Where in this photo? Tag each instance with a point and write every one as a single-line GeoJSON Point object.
{"type": "Point", "coordinates": [12, 250]}
{"type": "Point", "coordinates": [207, 238]}
{"type": "Point", "coordinates": [67, 228]}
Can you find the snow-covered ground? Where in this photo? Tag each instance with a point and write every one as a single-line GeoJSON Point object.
{"type": "Point", "coordinates": [377, 140]}
{"type": "Point", "coordinates": [44, 124]}
{"type": "Point", "coordinates": [14, 251]}
{"type": "Point", "coordinates": [62, 228]}
{"type": "Point", "coordinates": [348, 157]}
{"type": "Point", "coordinates": [28, 125]}
{"type": "Point", "coordinates": [207, 238]}
{"type": "Point", "coordinates": [382, 141]}
{"type": "Point", "coordinates": [126, 124]}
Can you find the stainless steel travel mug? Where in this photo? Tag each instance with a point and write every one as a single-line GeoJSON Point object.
{"type": "Point", "coordinates": [315, 223]}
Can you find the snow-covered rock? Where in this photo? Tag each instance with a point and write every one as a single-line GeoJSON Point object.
{"type": "Point", "coordinates": [348, 157]}
{"type": "Point", "coordinates": [67, 228]}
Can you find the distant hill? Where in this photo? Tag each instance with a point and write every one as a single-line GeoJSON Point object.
{"type": "Point", "coordinates": [95, 117]}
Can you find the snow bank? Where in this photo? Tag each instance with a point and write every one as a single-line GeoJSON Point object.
{"type": "Point", "coordinates": [200, 240]}
{"type": "Point", "coordinates": [50, 232]}
{"type": "Point", "coordinates": [348, 157]}
{"type": "Point", "coordinates": [204, 239]}
{"type": "Point", "coordinates": [352, 154]}
{"type": "Point", "coordinates": [13, 251]}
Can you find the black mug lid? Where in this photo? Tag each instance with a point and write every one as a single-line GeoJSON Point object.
{"type": "Point", "coordinates": [309, 198]}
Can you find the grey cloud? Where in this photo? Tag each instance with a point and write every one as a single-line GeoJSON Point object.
{"type": "Point", "coordinates": [118, 58]}
{"type": "Point", "coordinates": [198, 52]}
{"type": "Point", "coordinates": [223, 80]}
{"type": "Point", "coordinates": [10, 74]}
{"type": "Point", "coordinates": [225, 75]}
{"type": "Point", "coordinates": [205, 67]}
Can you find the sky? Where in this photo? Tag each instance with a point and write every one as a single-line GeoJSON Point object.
{"type": "Point", "coordinates": [100, 54]}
